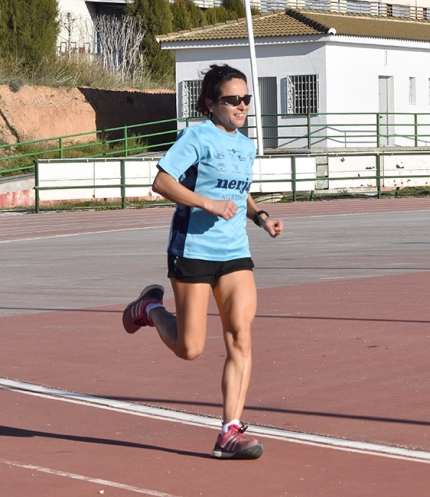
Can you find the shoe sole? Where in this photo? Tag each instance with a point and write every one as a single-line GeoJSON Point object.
{"type": "Point", "coordinates": [253, 452]}
{"type": "Point", "coordinates": [129, 325]}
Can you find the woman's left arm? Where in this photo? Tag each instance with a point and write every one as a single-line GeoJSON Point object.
{"type": "Point", "coordinates": [261, 218]}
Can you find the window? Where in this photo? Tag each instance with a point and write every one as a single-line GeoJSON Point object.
{"type": "Point", "coordinates": [317, 4]}
{"type": "Point", "coordinates": [412, 91]}
{"type": "Point", "coordinates": [190, 94]}
{"type": "Point", "coordinates": [357, 7]}
{"type": "Point", "coordinates": [302, 94]}
{"type": "Point", "coordinates": [397, 10]}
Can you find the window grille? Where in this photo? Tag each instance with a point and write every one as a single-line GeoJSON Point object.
{"type": "Point", "coordinates": [190, 94]}
{"type": "Point", "coordinates": [302, 94]}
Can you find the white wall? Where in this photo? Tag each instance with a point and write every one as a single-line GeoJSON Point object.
{"type": "Point", "coordinates": [272, 61]}
{"type": "Point", "coordinates": [88, 173]}
{"type": "Point", "coordinates": [77, 26]}
{"type": "Point", "coordinates": [352, 82]}
{"type": "Point", "coordinates": [270, 175]}
{"type": "Point", "coordinates": [76, 7]}
{"type": "Point", "coordinates": [353, 71]}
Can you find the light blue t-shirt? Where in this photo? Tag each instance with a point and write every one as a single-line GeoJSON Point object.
{"type": "Point", "coordinates": [217, 165]}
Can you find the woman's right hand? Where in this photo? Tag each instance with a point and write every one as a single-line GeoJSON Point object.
{"type": "Point", "coordinates": [170, 188]}
{"type": "Point", "coordinates": [222, 208]}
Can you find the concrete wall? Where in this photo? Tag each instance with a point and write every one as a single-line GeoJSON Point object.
{"type": "Point", "coordinates": [102, 177]}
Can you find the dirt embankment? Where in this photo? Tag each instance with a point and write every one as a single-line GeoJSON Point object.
{"type": "Point", "coordinates": [34, 113]}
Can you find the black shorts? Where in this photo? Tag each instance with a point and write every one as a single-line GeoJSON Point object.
{"type": "Point", "coordinates": [200, 271]}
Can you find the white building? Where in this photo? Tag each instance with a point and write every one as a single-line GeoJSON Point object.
{"type": "Point", "coordinates": [78, 16]}
{"type": "Point", "coordinates": [317, 62]}
{"type": "Point", "coordinates": [77, 23]}
{"type": "Point", "coordinates": [82, 6]}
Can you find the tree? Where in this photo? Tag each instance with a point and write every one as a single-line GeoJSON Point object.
{"type": "Point", "coordinates": [217, 14]}
{"type": "Point", "coordinates": [181, 15]}
{"type": "Point", "coordinates": [120, 40]}
{"type": "Point", "coordinates": [186, 15]}
{"type": "Point", "coordinates": [235, 8]}
{"type": "Point", "coordinates": [156, 18]}
{"type": "Point", "coordinates": [28, 30]}
{"type": "Point", "coordinates": [197, 15]}
{"type": "Point", "coordinates": [230, 10]}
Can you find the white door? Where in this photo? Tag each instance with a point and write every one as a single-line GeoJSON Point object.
{"type": "Point", "coordinates": [385, 107]}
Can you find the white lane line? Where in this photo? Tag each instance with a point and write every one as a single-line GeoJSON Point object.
{"type": "Point", "coordinates": [214, 423]}
{"type": "Point", "coordinates": [98, 481]}
{"type": "Point", "coordinates": [66, 235]}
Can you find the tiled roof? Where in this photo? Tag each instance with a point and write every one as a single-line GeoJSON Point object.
{"type": "Point", "coordinates": [372, 26]}
{"type": "Point", "coordinates": [305, 22]}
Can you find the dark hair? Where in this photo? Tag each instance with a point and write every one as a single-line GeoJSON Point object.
{"type": "Point", "coordinates": [212, 83]}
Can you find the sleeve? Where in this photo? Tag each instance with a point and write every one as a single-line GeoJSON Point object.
{"type": "Point", "coordinates": [183, 154]}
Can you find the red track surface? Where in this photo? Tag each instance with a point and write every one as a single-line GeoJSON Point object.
{"type": "Point", "coordinates": [346, 358]}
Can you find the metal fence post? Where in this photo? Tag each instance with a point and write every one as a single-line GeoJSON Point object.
{"type": "Point", "coordinates": [36, 187]}
{"type": "Point", "coordinates": [293, 178]}
{"type": "Point", "coordinates": [308, 121]}
{"type": "Point", "coordinates": [378, 175]}
{"type": "Point", "coordinates": [126, 141]}
{"type": "Point", "coordinates": [122, 169]}
{"type": "Point", "coordinates": [378, 138]}
{"type": "Point", "coordinates": [416, 129]}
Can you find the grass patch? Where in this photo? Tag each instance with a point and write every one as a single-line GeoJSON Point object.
{"type": "Point", "coordinates": [411, 191]}
{"type": "Point", "coordinates": [71, 73]}
{"type": "Point", "coordinates": [318, 195]}
{"type": "Point", "coordinates": [100, 204]}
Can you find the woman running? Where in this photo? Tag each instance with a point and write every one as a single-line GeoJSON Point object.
{"type": "Point", "coordinates": [208, 174]}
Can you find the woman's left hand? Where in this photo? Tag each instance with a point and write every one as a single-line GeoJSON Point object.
{"type": "Point", "coordinates": [273, 226]}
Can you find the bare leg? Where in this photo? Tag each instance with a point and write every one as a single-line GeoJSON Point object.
{"type": "Point", "coordinates": [236, 297]}
{"type": "Point", "coordinates": [185, 333]}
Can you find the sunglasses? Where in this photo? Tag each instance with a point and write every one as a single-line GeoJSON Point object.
{"type": "Point", "coordinates": [235, 100]}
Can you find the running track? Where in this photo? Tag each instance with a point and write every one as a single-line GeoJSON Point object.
{"type": "Point", "coordinates": [340, 389]}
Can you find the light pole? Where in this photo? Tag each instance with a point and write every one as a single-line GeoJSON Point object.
{"type": "Point", "coordinates": [254, 74]}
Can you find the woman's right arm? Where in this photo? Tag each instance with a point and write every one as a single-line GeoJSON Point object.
{"type": "Point", "coordinates": [166, 185]}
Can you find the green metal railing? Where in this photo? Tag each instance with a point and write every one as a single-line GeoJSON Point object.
{"type": "Point", "coordinates": [112, 142]}
{"type": "Point", "coordinates": [366, 129]}
{"type": "Point", "coordinates": [291, 131]}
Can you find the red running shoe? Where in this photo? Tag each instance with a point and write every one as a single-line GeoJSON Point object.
{"type": "Point", "coordinates": [134, 315]}
{"type": "Point", "coordinates": [234, 445]}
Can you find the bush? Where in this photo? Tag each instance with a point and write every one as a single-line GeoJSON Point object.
{"type": "Point", "coordinates": [16, 84]}
{"type": "Point", "coordinates": [28, 30]}
{"type": "Point", "coordinates": [156, 19]}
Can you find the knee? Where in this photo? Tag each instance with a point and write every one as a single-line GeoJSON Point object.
{"type": "Point", "coordinates": [240, 340]}
{"type": "Point", "coordinates": [189, 353]}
